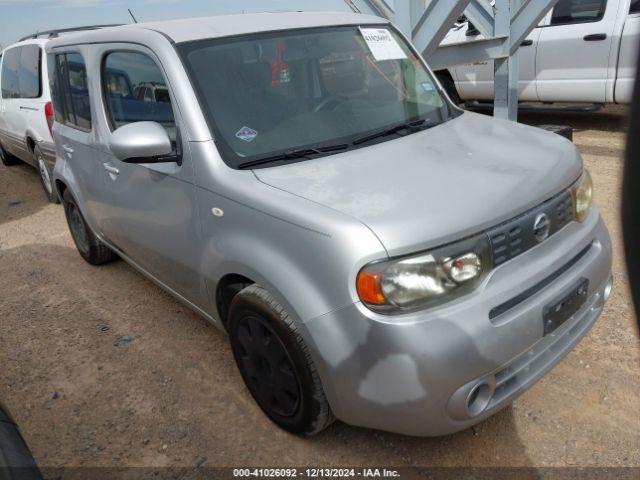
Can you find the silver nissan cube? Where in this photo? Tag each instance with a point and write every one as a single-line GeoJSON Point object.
{"type": "Point", "coordinates": [301, 180]}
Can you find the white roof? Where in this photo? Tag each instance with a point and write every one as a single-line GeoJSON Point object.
{"type": "Point", "coordinates": [29, 41]}
{"type": "Point", "coordinates": [228, 25]}
{"type": "Point", "coordinates": [190, 29]}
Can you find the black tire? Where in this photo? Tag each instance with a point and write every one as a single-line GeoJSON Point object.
{"type": "Point", "coordinates": [90, 247]}
{"type": "Point", "coordinates": [450, 88]}
{"type": "Point", "coordinates": [275, 363]}
{"type": "Point", "coordinates": [7, 159]}
{"type": "Point", "coordinates": [46, 175]}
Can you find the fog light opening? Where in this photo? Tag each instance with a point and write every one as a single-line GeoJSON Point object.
{"type": "Point", "coordinates": [478, 399]}
{"type": "Point", "coordinates": [607, 289]}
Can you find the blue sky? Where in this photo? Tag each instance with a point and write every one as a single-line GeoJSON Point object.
{"type": "Point", "coordinates": [22, 17]}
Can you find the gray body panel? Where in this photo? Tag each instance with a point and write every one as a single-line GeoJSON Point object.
{"type": "Point", "coordinates": [399, 374]}
{"type": "Point", "coordinates": [467, 164]}
{"type": "Point", "coordinates": [305, 230]}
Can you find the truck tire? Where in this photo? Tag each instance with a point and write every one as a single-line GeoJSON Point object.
{"type": "Point", "coordinates": [88, 244]}
{"type": "Point", "coordinates": [275, 363]}
{"type": "Point", "coordinates": [46, 175]}
{"type": "Point", "coordinates": [7, 159]}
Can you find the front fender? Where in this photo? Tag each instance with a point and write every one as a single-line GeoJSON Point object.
{"type": "Point", "coordinates": [310, 272]}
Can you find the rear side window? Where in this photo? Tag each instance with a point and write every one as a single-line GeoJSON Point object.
{"type": "Point", "coordinates": [69, 90]}
{"type": "Point", "coordinates": [9, 79]}
{"type": "Point", "coordinates": [21, 72]}
{"type": "Point", "coordinates": [29, 78]}
{"type": "Point", "coordinates": [55, 87]}
{"type": "Point", "coordinates": [578, 11]}
{"type": "Point", "coordinates": [635, 6]}
{"type": "Point", "coordinates": [135, 91]}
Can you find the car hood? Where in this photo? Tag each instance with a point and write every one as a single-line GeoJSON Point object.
{"type": "Point", "coordinates": [438, 185]}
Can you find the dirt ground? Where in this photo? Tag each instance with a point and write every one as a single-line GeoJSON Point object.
{"type": "Point", "coordinates": [173, 396]}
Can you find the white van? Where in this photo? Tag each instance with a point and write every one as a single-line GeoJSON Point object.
{"type": "Point", "coordinates": [26, 113]}
{"type": "Point", "coordinates": [583, 51]}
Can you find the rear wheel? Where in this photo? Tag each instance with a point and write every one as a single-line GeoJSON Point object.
{"type": "Point", "coordinates": [46, 175]}
{"type": "Point", "coordinates": [7, 159]}
{"type": "Point", "coordinates": [275, 363]}
{"type": "Point", "coordinates": [88, 244]}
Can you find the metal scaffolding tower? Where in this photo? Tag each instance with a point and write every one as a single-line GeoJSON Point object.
{"type": "Point", "coordinates": [504, 24]}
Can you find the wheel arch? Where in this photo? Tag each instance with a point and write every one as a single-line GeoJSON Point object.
{"type": "Point", "coordinates": [31, 144]}
{"type": "Point", "coordinates": [226, 289]}
{"type": "Point", "coordinates": [60, 187]}
{"type": "Point", "coordinates": [32, 139]}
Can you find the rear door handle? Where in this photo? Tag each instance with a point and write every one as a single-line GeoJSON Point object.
{"type": "Point", "coordinates": [595, 37]}
{"type": "Point", "coordinates": [67, 148]}
{"type": "Point", "coordinates": [526, 43]}
{"type": "Point", "coordinates": [110, 169]}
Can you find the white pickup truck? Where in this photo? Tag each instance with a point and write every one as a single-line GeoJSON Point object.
{"type": "Point", "coordinates": [583, 51]}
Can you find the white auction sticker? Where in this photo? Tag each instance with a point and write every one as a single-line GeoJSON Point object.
{"type": "Point", "coordinates": [382, 44]}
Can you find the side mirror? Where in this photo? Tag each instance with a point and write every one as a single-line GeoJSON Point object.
{"type": "Point", "coordinates": [142, 142]}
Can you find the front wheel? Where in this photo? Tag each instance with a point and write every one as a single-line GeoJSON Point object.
{"type": "Point", "coordinates": [46, 175]}
{"type": "Point", "coordinates": [275, 363]}
{"type": "Point", "coordinates": [88, 244]}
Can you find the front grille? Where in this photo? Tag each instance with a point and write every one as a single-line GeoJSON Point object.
{"type": "Point", "coordinates": [516, 236]}
{"type": "Point", "coordinates": [508, 305]}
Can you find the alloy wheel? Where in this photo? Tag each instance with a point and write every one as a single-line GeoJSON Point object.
{"type": "Point", "coordinates": [44, 173]}
{"type": "Point", "coordinates": [78, 229]}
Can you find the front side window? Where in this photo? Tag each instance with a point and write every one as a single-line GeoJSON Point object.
{"type": "Point", "coordinates": [635, 6]}
{"type": "Point", "coordinates": [323, 90]}
{"type": "Point", "coordinates": [129, 79]}
{"type": "Point", "coordinates": [9, 79]}
{"type": "Point", "coordinates": [578, 11]}
{"type": "Point", "coordinates": [29, 78]}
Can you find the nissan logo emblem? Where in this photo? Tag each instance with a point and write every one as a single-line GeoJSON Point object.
{"type": "Point", "coordinates": [541, 227]}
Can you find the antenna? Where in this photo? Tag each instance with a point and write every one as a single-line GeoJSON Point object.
{"type": "Point", "coordinates": [131, 13]}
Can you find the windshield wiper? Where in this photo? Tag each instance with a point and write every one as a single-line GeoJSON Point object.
{"type": "Point", "coordinates": [295, 154]}
{"type": "Point", "coordinates": [416, 125]}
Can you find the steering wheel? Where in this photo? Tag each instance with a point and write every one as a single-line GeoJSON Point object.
{"type": "Point", "coordinates": [329, 103]}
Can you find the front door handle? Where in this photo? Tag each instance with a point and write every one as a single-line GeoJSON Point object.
{"type": "Point", "coordinates": [595, 37]}
{"type": "Point", "coordinates": [526, 43]}
{"type": "Point", "coordinates": [112, 170]}
{"type": "Point", "coordinates": [67, 149]}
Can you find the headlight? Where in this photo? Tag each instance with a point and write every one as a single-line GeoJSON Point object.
{"type": "Point", "coordinates": [425, 279]}
{"type": "Point", "coordinates": [582, 194]}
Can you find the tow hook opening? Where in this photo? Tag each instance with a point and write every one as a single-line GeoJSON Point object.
{"type": "Point", "coordinates": [478, 399]}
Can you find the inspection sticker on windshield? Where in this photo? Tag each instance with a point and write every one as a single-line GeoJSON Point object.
{"type": "Point", "coordinates": [427, 87]}
{"type": "Point", "coordinates": [382, 44]}
{"type": "Point", "coordinates": [247, 134]}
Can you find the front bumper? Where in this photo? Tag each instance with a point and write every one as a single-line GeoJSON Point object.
{"type": "Point", "coordinates": [414, 374]}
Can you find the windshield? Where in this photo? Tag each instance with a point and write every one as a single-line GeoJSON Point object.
{"type": "Point", "coordinates": [310, 90]}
